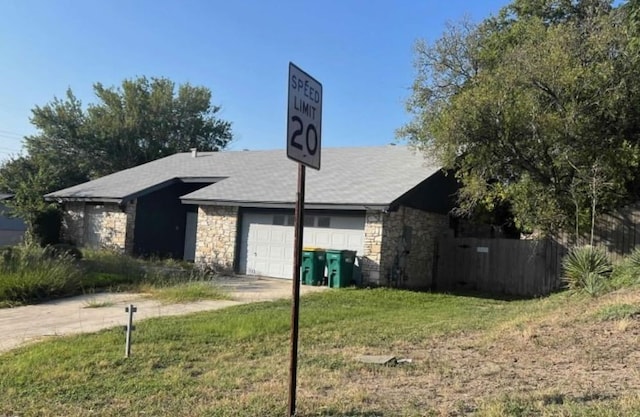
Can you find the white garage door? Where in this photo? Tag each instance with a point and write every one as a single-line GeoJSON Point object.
{"type": "Point", "coordinates": [266, 247]}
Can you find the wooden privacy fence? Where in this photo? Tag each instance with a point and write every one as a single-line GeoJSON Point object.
{"type": "Point", "coordinates": [618, 232]}
{"type": "Point", "coordinates": [505, 266]}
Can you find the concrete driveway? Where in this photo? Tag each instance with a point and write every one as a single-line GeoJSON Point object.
{"type": "Point", "coordinates": [26, 324]}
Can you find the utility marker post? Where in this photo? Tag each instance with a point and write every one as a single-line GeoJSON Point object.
{"type": "Point", "coordinates": [129, 328]}
{"type": "Point", "coordinates": [304, 128]}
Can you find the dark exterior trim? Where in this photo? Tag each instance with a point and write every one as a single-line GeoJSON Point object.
{"type": "Point", "coordinates": [125, 199]}
{"type": "Point", "coordinates": [85, 199]}
{"type": "Point", "coordinates": [266, 204]}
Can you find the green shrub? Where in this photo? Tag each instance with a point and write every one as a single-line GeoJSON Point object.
{"type": "Point", "coordinates": [587, 269]}
{"type": "Point", "coordinates": [46, 226]}
{"type": "Point", "coordinates": [106, 269]}
{"type": "Point", "coordinates": [6, 253]}
{"type": "Point", "coordinates": [623, 276]}
{"type": "Point", "coordinates": [627, 272]}
{"type": "Point", "coordinates": [63, 249]}
{"type": "Point", "coordinates": [31, 273]}
{"type": "Point", "coordinates": [28, 273]}
{"type": "Point", "coordinates": [104, 280]}
{"type": "Point", "coordinates": [130, 270]}
{"type": "Point", "coordinates": [634, 259]}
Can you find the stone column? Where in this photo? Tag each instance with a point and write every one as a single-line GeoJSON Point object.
{"type": "Point", "coordinates": [216, 236]}
{"type": "Point", "coordinates": [372, 248]}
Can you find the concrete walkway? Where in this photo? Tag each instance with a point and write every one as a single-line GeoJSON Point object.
{"type": "Point", "coordinates": [26, 324]}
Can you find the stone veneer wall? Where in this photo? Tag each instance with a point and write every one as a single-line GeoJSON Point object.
{"type": "Point", "coordinates": [113, 228]}
{"type": "Point", "coordinates": [216, 236]}
{"type": "Point", "coordinates": [416, 257]}
{"type": "Point", "coordinates": [384, 241]}
{"type": "Point", "coordinates": [370, 260]}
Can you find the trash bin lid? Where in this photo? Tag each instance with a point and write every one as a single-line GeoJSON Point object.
{"type": "Point", "coordinates": [342, 251]}
{"type": "Point", "coordinates": [312, 249]}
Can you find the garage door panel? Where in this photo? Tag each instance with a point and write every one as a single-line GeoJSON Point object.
{"type": "Point", "coordinates": [277, 252]}
{"type": "Point", "coordinates": [335, 239]}
{"type": "Point", "coordinates": [278, 234]}
{"type": "Point", "coordinates": [355, 242]}
{"type": "Point", "coordinates": [290, 238]}
{"type": "Point", "coordinates": [289, 252]}
{"type": "Point", "coordinates": [262, 251]}
{"type": "Point", "coordinates": [267, 248]}
{"type": "Point", "coordinates": [259, 267]}
{"type": "Point", "coordinates": [320, 238]}
{"type": "Point", "coordinates": [339, 241]}
{"type": "Point", "coordinates": [262, 235]}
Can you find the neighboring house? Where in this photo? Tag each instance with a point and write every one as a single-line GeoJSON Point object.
{"type": "Point", "coordinates": [235, 209]}
{"type": "Point", "coordinates": [11, 229]}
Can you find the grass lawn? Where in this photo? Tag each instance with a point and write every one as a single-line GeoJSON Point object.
{"type": "Point", "coordinates": [561, 356]}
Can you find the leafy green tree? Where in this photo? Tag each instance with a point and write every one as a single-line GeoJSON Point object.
{"type": "Point", "coordinates": [521, 105]}
{"type": "Point", "coordinates": [140, 121]}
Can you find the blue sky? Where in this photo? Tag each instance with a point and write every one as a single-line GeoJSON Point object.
{"type": "Point", "coordinates": [360, 50]}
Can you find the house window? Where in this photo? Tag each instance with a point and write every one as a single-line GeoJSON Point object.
{"type": "Point", "coordinates": [324, 221]}
{"type": "Point", "coordinates": [282, 220]}
{"type": "Point", "coordinates": [309, 221]}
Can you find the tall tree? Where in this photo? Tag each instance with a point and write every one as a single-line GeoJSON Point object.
{"type": "Point", "coordinates": [523, 103]}
{"type": "Point", "coordinates": [138, 122]}
{"type": "Point", "coordinates": [142, 120]}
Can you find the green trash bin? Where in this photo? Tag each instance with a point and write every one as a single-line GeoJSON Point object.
{"type": "Point", "coordinates": [313, 260]}
{"type": "Point", "coordinates": [340, 267]}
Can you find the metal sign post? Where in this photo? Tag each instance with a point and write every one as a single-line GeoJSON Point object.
{"type": "Point", "coordinates": [304, 128]}
{"type": "Point", "coordinates": [295, 305]}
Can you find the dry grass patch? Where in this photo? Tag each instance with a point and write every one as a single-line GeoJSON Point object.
{"type": "Point", "coordinates": [186, 292]}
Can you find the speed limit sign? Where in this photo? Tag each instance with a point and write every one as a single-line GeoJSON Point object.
{"type": "Point", "coordinates": [304, 118]}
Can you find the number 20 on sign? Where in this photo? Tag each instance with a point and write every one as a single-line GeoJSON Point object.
{"type": "Point", "coordinates": [304, 118]}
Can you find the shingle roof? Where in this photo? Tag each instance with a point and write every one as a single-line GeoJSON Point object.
{"type": "Point", "coordinates": [365, 176]}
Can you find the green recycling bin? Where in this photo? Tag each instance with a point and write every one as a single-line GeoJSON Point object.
{"type": "Point", "coordinates": [312, 266]}
{"type": "Point", "coordinates": [340, 267]}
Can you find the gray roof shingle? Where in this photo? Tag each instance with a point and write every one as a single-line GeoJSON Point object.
{"type": "Point", "coordinates": [363, 176]}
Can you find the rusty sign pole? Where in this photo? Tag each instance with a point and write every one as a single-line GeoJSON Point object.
{"type": "Point", "coordinates": [304, 133]}
{"type": "Point", "coordinates": [295, 304]}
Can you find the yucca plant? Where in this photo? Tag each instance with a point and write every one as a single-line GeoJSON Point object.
{"type": "Point", "coordinates": [587, 269]}
{"type": "Point", "coordinates": [634, 259]}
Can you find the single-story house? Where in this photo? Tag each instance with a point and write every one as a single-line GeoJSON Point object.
{"type": "Point", "coordinates": [12, 229]}
{"type": "Point", "coordinates": [235, 209]}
